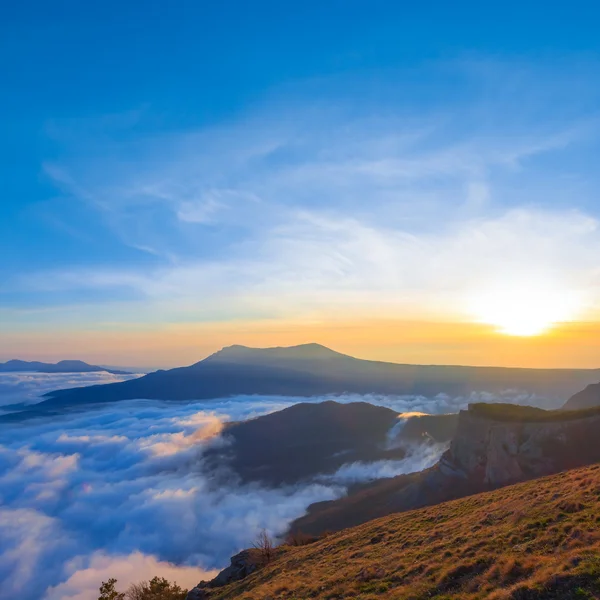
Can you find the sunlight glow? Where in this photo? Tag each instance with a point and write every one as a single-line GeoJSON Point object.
{"type": "Point", "coordinates": [524, 309]}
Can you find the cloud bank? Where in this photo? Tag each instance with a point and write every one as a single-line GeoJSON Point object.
{"type": "Point", "coordinates": [120, 490]}
{"type": "Point", "coordinates": [28, 388]}
{"type": "Point", "coordinates": [419, 457]}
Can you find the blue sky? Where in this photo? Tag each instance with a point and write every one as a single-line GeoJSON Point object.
{"type": "Point", "coordinates": [195, 162]}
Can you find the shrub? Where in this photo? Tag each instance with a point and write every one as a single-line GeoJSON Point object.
{"type": "Point", "coordinates": [297, 538]}
{"type": "Point", "coordinates": [265, 545]}
{"type": "Point", "coordinates": [155, 589]}
{"type": "Point", "coordinates": [108, 591]}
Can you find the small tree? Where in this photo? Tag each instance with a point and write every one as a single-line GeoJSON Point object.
{"type": "Point", "coordinates": [265, 545]}
{"type": "Point", "coordinates": [155, 589]}
{"type": "Point", "coordinates": [108, 591]}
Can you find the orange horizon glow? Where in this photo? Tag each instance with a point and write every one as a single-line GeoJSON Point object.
{"type": "Point", "coordinates": [564, 345]}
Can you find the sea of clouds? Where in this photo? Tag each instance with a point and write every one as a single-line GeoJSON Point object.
{"type": "Point", "coordinates": [27, 388]}
{"type": "Point", "coordinates": [120, 489]}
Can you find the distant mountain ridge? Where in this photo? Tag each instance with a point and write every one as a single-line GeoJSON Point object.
{"type": "Point", "coordinates": [63, 366]}
{"type": "Point", "coordinates": [314, 370]}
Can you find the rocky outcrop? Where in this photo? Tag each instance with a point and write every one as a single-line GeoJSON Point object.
{"type": "Point", "coordinates": [493, 451]}
{"type": "Point", "coordinates": [198, 593]}
{"type": "Point", "coordinates": [242, 564]}
{"type": "Point", "coordinates": [494, 445]}
{"type": "Point", "coordinates": [587, 398]}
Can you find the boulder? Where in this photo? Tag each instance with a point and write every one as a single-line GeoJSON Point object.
{"type": "Point", "coordinates": [197, 593]}
{"type": "Point", "coordinates": [242, 565]}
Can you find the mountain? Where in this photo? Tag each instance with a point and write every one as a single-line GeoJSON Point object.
{"type": "Point", "coordinates": [313, 370]}
{"type": "Point", "coordinates": [64, 366]}
{"type": "Point", "coordinates": [537, 540]}
{"type": "Point", "coordinates": [494, 445]}
{"type": "Point", "coordinates": [311, 439]}
{"type": "Point", "coordinates": [587, 398]}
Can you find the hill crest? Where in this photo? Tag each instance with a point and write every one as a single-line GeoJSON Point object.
{"type": "Point", "coordinates": [310, 351]}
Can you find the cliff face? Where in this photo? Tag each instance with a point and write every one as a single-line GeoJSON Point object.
{"type": "Point", "coordinates": [494, 445]}
{"type": "Point", "coordinates": [493, 452]}
{"type": "Point", "coordinates": [587, 398]}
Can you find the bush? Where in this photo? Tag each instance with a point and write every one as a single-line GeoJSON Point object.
{"type": "Point", "coordinates": [156, 589]}
{"type": "Point", "coordinates": [266, 547]}
{"type": "Point", "coordinates": [297, 538]}
{"type": "Point", "coordinates": [108, 591]}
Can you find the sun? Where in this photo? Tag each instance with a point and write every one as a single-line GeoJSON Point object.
{"type": "Point", "coordinates": [523, 309]}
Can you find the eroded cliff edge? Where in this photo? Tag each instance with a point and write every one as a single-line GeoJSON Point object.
{"type": "Point", "coordinates": [499, 444]}
{"type": "Point", "coordinates": [494, 445]}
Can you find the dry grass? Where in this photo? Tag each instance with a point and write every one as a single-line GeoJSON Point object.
{"type": "Point", "coordinates": [530, 541]}
{"type": "Point", "coordinates": [525, 414]}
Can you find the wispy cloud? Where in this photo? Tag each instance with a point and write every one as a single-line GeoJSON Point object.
{"type": "Point", "coordinates": [323, 262]}
{"type": "Point", "coordinates": [303, 206]}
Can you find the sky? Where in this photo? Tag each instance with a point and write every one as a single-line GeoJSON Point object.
{"type": "Point", "coordinates": [405, 182]}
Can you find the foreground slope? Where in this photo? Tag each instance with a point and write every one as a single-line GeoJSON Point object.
{"type": "Point", "coordinates": [313, 370]}
{"type": "Point", "coordinates": [529, 541]}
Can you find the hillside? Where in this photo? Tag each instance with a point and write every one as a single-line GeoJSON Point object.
{"type": "Point", "coordinates": [313, 370]}
{"type": "Point", "coordinates": [63, 366]}
{"type": "Point", "coordinates": [305, 440]}
{"type": "Point", "coordinates": [530, 541]}
{"type": "Point", "coordinates": [492, 447]}
{"type": "Point", "coordinates": [310, 439]}
{"type": "Point", "coordinates": [587, 398]}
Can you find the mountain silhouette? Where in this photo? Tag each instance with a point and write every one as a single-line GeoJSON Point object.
{"type": "Point", "coordinates": [63, 366]}
{"type": "Point", "coordinates": [313, 370]}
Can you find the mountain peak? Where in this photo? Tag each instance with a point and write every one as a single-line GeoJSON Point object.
{"type": "Point", "coordinates": [72, 363]}
{"type": "Point", "coordinates": [310, 351]}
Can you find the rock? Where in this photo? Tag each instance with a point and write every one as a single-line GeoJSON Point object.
{"type": "Point", "coordinates": [242, 565]}
{"type": "Point", "coordinates": [197, 593]}
{"type": "Point", "coordinates": [495, 452]}
{"type": "Point", "coordinates": [587, 398]}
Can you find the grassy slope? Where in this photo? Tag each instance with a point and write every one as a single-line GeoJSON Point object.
{"type": "Point", "coordinates": [529, 414]}
{"type": "Point", "coordinates": [533, 540]}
